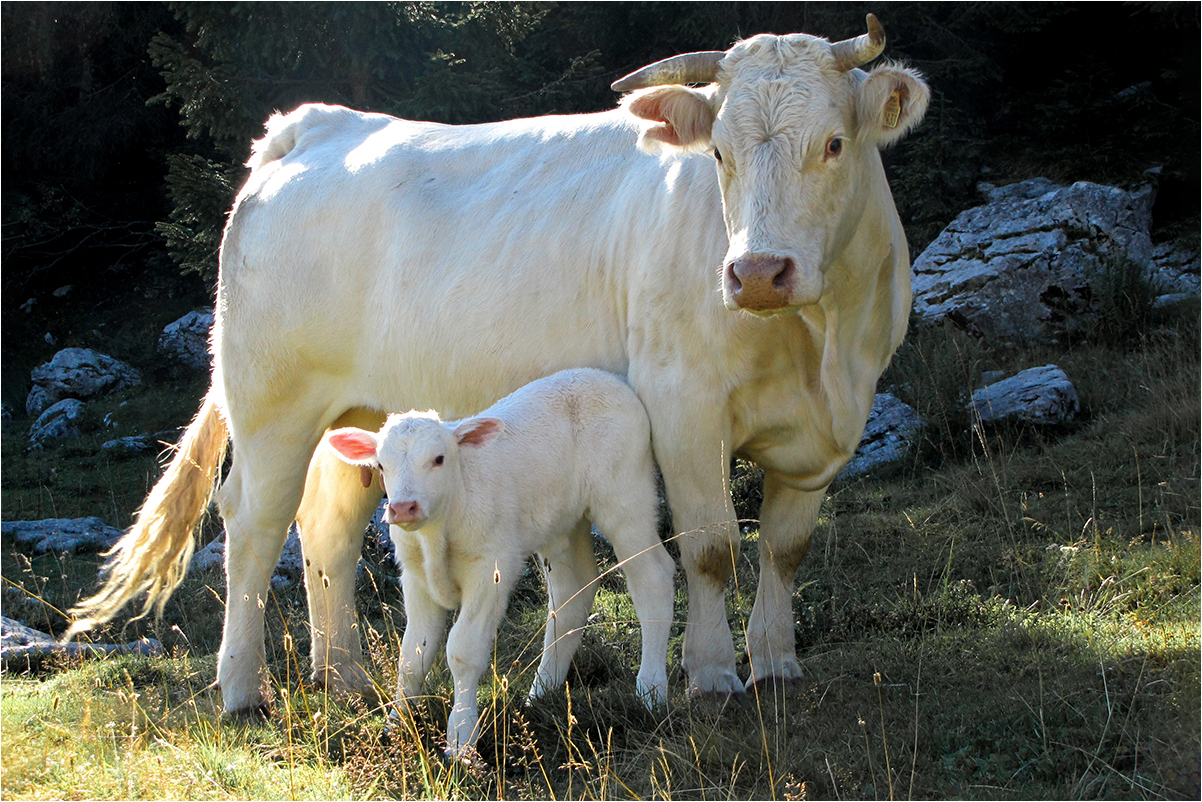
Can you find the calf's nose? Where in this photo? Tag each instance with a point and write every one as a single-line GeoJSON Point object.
{"type": "Point", "coordinates": [403, 512]}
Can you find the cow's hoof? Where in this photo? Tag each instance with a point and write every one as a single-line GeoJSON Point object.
{"type": "Point", "coordinates": [715, 682]}
{"type": "Point", "coordinates": [773, 673]}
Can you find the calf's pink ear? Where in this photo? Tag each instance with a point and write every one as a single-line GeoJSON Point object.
{"type": "Point", "coordinates": [356, 446]}
{"type": "Point", "coordinates": [476, 432]}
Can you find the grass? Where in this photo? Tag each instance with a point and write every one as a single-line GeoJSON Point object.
{"type": "Point", "coordinates": [1013, 614]}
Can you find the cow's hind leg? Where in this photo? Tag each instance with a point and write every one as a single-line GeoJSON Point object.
{"type": "Point", "coordinates": [787, 520]}
{"type": "Point", "coordinates": [258, 502]}
{"type": "Point", "coordinates": [333, 514]}
{"type": "Point", "coordinates": [570, 568]}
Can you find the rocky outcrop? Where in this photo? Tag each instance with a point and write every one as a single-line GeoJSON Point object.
{"type": "Point", "coordinates": [78, 373]}
{"type": "Point", "coordinates": [1042, 396]}
{"type": "Point", "coordinates": [59, 422]}
{"type": "Point", "coordinates": [23, 648]}
{"type": "Point", "coordinates": [61, 534]}
{"type": "Point", "coordinates": [186, 341]}
{"type": "Point", "coordinates": [1020, 267]}
{"type": "Point", "coordinates": [893, 429]}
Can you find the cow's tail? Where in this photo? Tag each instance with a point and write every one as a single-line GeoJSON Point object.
{"type": "Point", "coordinates": [284, 131]}
{"type": "Point", "coordinates": [154, 555]}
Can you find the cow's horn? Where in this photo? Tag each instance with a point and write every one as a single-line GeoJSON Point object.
{"type": "Point", "coordinates": [687, 68]}
{"type": "Point", "coordinates": [859, 50]}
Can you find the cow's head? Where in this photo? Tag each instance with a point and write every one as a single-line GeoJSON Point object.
{"type": "Point", "coordinates": [794, 127]}
{"type": "Point", "coordinates": [418, 457]}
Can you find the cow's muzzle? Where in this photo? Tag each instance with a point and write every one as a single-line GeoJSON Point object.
{"type": "Point", "coordinates": [766, 284]}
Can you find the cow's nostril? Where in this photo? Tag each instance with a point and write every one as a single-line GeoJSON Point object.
{"type": "Point", "coordinates": [733, 277]}
{"type": "Point", "coordinates": [781, 280]}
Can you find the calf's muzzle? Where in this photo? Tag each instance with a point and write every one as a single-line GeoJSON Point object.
{"type": "Point", "coordinates": [400, 513]}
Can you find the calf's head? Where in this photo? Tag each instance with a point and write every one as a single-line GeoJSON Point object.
{"type": "Point", "coordinates": [419, 458]}
{"type": "Point", "coordinates": [794, 127]}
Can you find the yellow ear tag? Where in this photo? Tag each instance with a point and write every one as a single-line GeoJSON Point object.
{"type": "Point", "coordinates": [892, 110]}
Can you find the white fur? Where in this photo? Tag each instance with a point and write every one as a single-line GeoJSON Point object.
{"type": "Point", "coordinates": [560, 452]}
{"type": "Point", "coordinates": [372, 263]}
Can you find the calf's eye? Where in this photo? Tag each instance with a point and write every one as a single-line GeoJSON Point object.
{"type": "Point", "coordinates": [834, 147]}
{"type": "Point", "coordinates": [718, 155]}
{"type": "Point", "coordinates": [438, 460]}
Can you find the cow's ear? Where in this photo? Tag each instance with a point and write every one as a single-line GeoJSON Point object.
{"type": "Point", "coordinates": [476, 432]}
{"type": "Point", "coordinates": [891, 100]}
{"type": "Point", "coordinates": [684, 116]}
{"type": "Point", "coordinates": [356, 446]}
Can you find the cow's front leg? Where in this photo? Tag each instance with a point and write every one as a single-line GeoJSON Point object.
{"type": "Point", "coordinates": [787, 520]}
{"type": "Point", "coordinates": [698, 488]}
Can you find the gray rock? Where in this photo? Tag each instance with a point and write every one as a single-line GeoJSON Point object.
{"type": "Point", "coordinates": [892, 430]}
{"type": "Point", "coordinates": [1175, 270]}
{"type": "Point", "coordinates": [1037, 395]}
{"type": "Point", "coordinates": [78, 373]}
{"type": "Point", "coordinates": [62, 534]}
{"type": "Point", "coordinates": [186, 341]}
{"type": "Point", "coordinates": [23, 648]}
{"type": "Point", "coordinates": [59, 422]}
{"type": "Point", "coordinates": [37, 401]}
{"type": "Point", "coordinates": [1022, 190]}
{"type": "Point", "coordinates": [1019, 268]}
{"type": "Point", "coordinates": [140, 443]}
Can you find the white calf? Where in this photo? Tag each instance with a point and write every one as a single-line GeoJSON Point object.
{"type": "Point", "coordinates": [470, 500]}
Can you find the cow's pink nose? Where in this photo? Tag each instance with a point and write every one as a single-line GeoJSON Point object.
{"type": "Point", "coordinates": [761, 282]}
{"type": "Point", "coordinates": [403, 512]}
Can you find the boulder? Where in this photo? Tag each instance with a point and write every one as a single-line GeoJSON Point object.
{"type": "Point", "coordinates": [59, 422]}
{"type": "Point", "coordinates": [62, 534]}
{"type": "Point", "coordinates": [892, 430]}
{"type": "Point", "coordinates": [78, 373]}
{"type": "Point", "coordinates": [140, 443]}
{"type": "Point", "coordinates": [186, 341]}
{"type": "Point", "coordinates": [1175, 272]}
{"type": "Point", "coordinates": [1020, 267]}
{"type": "Point", "coordinates": [23, 648]}
{"type": "Point", "coordinates": [1042, 396]}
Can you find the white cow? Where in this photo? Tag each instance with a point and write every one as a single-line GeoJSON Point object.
{"type": "Point", "coordinates": [750, 279]}
{"type": "Point", "coordinates": [469, 501]}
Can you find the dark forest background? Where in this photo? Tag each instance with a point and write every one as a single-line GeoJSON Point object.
{"type": "Point", "coordinates": [125, 124]}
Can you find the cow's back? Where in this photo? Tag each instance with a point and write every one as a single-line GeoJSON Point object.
{"type": "Point", "coordinates": [376, 248]}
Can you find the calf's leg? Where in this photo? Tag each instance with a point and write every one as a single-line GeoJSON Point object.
{"type": "Point", "coordinates": [469, 645]}
{"type": "Point", "coordinates": [570, 568]}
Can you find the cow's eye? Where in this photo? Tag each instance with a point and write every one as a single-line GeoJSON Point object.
{"type": "Point", "coordinates": [718, 155]}
{"type": "Point", "coordinates": [438, 460]}
{"type": "Point", "coordinates": [834, 147]}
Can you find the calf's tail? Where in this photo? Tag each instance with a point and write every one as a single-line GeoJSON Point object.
{"type": "Point", "coordinates": [154, 555]}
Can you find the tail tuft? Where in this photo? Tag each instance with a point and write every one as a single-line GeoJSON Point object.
{"type": "Point", "coordinates": [153, 556]}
